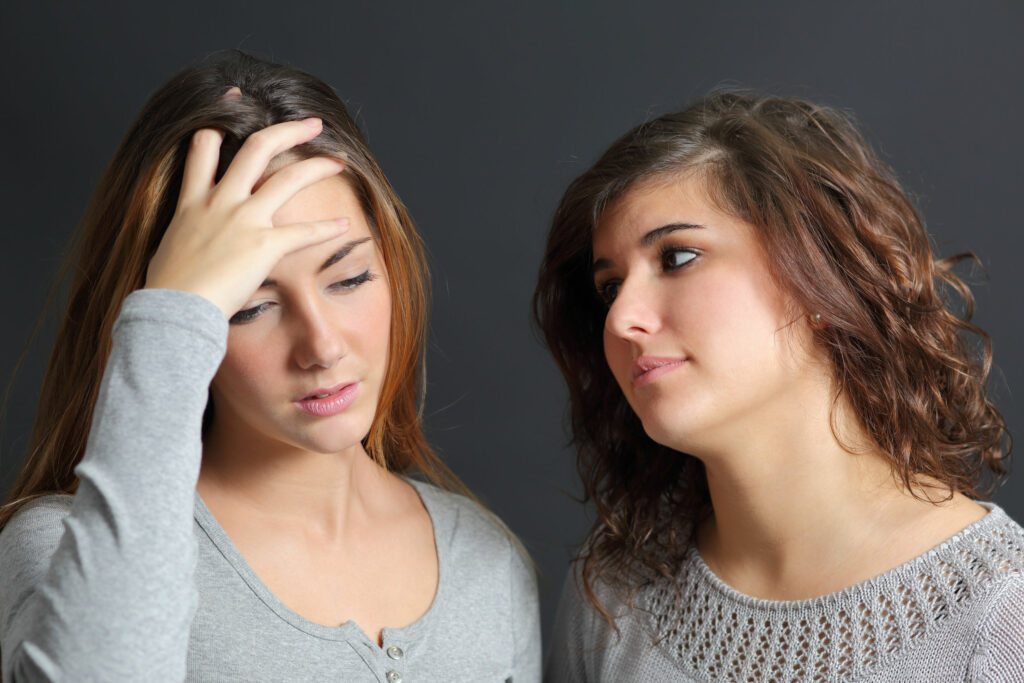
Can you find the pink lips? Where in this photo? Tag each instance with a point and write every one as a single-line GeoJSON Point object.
{"type": "Point", "coordinates": [327, 402]}
{"type": "Point", "coordinates": [646, 369]}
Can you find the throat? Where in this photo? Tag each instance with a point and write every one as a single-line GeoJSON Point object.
{"type": "Point", "coordinates": [825, 550]}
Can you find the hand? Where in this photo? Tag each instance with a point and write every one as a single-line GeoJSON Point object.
{"type": "Point", "coordinates": [221, 243]}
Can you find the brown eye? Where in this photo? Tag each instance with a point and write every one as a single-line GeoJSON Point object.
{"type": "Point", "coordinates": [607, 291]}
{"type": "Point", "coordinates": [674, 258]}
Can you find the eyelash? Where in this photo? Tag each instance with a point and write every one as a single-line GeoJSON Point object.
{"type": "Point", "coordinates": [604, 288]}
{"type": "Point", "coordinates": [250, 314]}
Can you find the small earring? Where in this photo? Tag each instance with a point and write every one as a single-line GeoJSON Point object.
{"type": "Point", "coordinates": [816, 320]}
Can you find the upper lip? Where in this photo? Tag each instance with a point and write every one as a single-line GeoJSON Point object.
{"type": "Point", "coordinates": [324, 391]}
{"type": "Point", "coordinates": [647, 363]}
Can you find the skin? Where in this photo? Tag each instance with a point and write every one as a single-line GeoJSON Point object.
{"type": "Point", "coordinates": [795, 514]}
{"type": "Point", "coordinates": [309, 510]}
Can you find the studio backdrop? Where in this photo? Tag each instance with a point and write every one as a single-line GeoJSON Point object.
{"type": "Point", "coordinates": [480, 114]}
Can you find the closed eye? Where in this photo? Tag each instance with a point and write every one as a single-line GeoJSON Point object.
{"type": "Point", "coordinates": [352, 282]}
{"type": "Point", "coordinates": [250, 314]}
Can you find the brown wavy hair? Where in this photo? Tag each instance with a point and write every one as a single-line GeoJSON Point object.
{"type": "Point", "coordinates": [846, 242]}
{"type": "Point", "coordinates": [125, 222]}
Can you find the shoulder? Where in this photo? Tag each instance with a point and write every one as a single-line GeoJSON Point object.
{"type": "Point", "coordinates": [37, 524]}
{"type": "Point", "coordinates": [620, 645]}
{"type": "Point", "coordinates": [999, 654]}
{"type": "Point", "coordinates": [473, 540]}
{"type": "Point", "coordinates": [992, 555]}
{"type": "Point", "coordinates": [463, 524]}
{"type": "Point", "coordinates": [27, 543]}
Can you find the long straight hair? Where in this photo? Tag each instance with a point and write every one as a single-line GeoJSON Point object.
{"type": "Point", "coordinates": [126, 220]}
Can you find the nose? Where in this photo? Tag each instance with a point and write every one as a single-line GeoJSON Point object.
{"type": "Point", "coordinates": [319, 341]}
{"type": "Point", "coordinates": [632, 315]}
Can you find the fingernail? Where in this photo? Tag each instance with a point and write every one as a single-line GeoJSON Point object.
{"type": "Point", "coordinates": [312, 122]}
{"type": "Point", "coordinates": [344, 222]}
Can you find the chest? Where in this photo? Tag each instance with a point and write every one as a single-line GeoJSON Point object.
{"type": "Point", "coordinates": [377, 585]}
{"type": "Point", "coordinates": [243, 631]}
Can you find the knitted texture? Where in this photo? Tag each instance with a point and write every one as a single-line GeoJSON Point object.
{"type": "Point", "coordinates": [953, 613]}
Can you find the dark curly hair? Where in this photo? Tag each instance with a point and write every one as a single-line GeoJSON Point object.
{"type": "Point", "coordinates": [846, 242]}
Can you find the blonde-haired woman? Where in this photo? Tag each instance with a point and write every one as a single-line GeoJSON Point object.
{"type": "Point", "coordinates": [217, 483]}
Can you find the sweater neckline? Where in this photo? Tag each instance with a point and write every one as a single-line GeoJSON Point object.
{"type": "Point", "coordinates": [996, 517]}
{"type": "Point", "coordinates": [349, 630]}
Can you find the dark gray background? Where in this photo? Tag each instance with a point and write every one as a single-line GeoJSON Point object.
{"type": "Point", "coordinates": [481, 113]}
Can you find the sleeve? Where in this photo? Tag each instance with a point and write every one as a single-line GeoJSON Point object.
{"type": "Point", "coordinates": [526, 614]}
{"type": "Point", "coordinates": [565, 662]}
{"type": "Point", "coordinates": [109, 592]}
{"type": "Point", "coordinates": [999, 656]}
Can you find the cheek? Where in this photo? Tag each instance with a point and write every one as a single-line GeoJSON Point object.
{"type": "Point", "coordinates": [247, 365]}
{"type": "Point", "coordinates": [740, 322]}
{"type": "Point", "coordinates": [375, 322]}
{"type": "Point", "coordinates": [380, 325]}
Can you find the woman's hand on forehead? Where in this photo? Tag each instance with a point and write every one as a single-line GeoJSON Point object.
{"type": "Point", "coordinates": [221, 243]}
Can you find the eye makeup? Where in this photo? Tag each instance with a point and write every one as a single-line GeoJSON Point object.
{"type": "Point", "coordinates": [671, 258]}
{"type": "Point", "coordinates": [341, 286]}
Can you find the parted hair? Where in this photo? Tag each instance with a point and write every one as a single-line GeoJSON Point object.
{"type": "Point", "coordinates": [845, 241]}
{"type": "Point", "coordinates": [132, 207]}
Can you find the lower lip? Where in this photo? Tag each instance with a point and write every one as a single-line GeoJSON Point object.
{"type": "Point", "coordinates": [655, 373]}
{"type": "Point", "coordinates": [329, 405]}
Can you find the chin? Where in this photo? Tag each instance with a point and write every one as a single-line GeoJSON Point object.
{"type": "Point", "coordinates": [679, 430]}
{"type": "Point", "coordinates": [328, 439]}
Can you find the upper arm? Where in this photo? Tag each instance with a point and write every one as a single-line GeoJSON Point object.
{"type": "Point", "coordinates": [27, 544]}
{"type": "Point", "coordinates": [525, 610]}
{"type": "Point", "coordinates": [573, 625]}
{"type": "Point", "coordinates": [104, 587]}
{"type": "Point", "coordinates": [999, 655]}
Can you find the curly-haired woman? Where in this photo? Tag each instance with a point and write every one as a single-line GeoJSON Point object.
{"type": "Point", "coordinates": [779, 416]}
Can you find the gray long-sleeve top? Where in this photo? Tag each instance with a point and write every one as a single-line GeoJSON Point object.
{"type": "Point", "coordinates": [132, 578]}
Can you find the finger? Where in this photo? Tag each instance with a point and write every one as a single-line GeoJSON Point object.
{"type": "Point", "coordinates": [250, 164]}
{"type": "Point", "coordinates": [200, 165]}
{"type": "Point", "coordinates": [285, 239]}
{"type": "Point", "coordinates": [285, 183]}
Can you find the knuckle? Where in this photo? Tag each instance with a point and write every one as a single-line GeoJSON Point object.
{"type": "Point", "coordinates": [206, 136]}
{"type": "Point", "coordinates": [261, 140]}
{"type": "Point", "coordinates": [261, 241]}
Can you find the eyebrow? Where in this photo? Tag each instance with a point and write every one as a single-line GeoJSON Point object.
{"type": "Point", "coordinates": [648, 240]}
{"type": "Point", "coordinates": [335, 257]}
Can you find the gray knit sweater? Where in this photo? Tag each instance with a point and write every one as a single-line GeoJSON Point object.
{"type": "Point", "coordinates": [954, 613]}
{"type": "Point", "coordinates": [133, 579]}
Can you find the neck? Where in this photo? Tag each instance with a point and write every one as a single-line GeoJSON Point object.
{"type": "Point", "coordinates": [796, 515]}
{"type": "Point", "coordinates": [323, 493]}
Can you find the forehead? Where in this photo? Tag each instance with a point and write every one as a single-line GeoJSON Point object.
{"type": "Point", "coordinates": [324, 200]}
{"type": "Point", "coordinates": [653, 204]}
